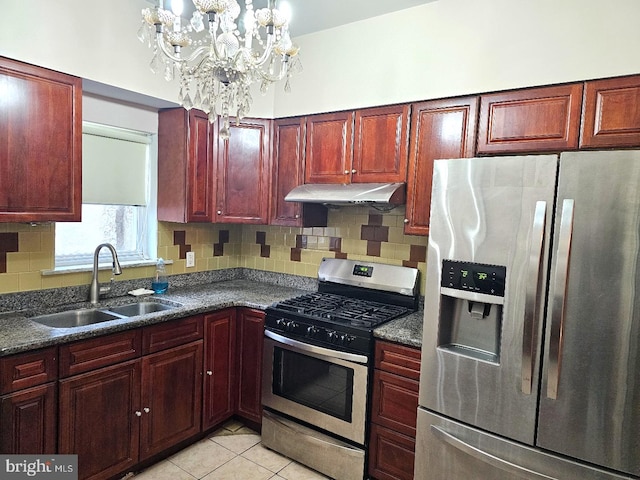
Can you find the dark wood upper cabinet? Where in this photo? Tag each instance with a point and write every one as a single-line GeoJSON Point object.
{"type": "Point", "coordinates": [288, 172]}
{"type": "Point", "coordinates": [530, 120]}
{"type": "Point", "coordinates": [329, 147]}
{"type": "Point", "coordinates": [365, 146]}
{"type": "Point", "coordinates": [244, 173]}
{"type": "Point", "coordinates": [611, 113]}
{"type": "Point", "coordinates": [186, 169]}
{"type": "Point", "coordinates": [380, 144]}
{"type": "Point", "coordinates": [439, 129]}
{"type": "Point", "coordinates": [40, 144]}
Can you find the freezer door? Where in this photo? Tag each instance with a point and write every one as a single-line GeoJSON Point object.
{"type": "Point", "coordinates": [447, 450]}
{"type": "Point", "coordinates": [484, 369]}
{"type": "Point", "coordinates": [590, 398]}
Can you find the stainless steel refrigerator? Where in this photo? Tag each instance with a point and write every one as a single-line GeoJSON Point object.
{"type": "Point", "coordinates": [530, 356]}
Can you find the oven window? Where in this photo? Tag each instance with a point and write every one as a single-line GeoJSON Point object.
{"type": "Point", "coordinates": [318, 384]}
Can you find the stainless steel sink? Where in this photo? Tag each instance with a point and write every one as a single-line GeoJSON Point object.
{"type": "Point", "coordinates": [140, 308]}
{"type": "Point", "coordinates": [89, 316]}
{"type": "Point", "coordinates": [75, 318]}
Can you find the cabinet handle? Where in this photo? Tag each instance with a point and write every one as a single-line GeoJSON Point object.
{"type": "Point", "coordinates": [219, 212]}
{"type": "Point", "coordinates": [297, 215]}
{"type": "Point", "coordinates": [346, 172]}
{"type": "Point", "coordinates": [354, 171]}
{"type": "Point", "coordinates": [146, 409]}
{"type": "Point", "coordinates": [406, 220]}
{"type": "Point", "coordinates": [209, 372]}
{"type": "Point", "coordinates": [138, 413]}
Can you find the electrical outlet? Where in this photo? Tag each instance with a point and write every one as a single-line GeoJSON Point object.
{"type": "Point", "coordinates": [191, 259]}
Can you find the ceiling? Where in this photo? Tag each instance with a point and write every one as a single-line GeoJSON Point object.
{"type": "Point", "coordinates": [310, 16]}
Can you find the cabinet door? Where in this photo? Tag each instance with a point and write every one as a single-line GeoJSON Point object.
{"type": "Point", "coordinates": [244, 162]}
{"type": "Point", "coordinates": [288, 172]}
{"type": "Point", "coordinates": [219, 367]}
{"type": "Point", "coordinates": [329, 152]}
{"type": "Point", "coordinates": [530, 120]}
{"type": "Point", "coordinates": [186, 185]}
{"type": "Point", "coordinates": [395, 402]}
{"type": "Point", "coordinates": [611, 113]}
{"type": "Point", "coordinates": [171, 397]}
{"type": "Point", "coordinates": [249, 362]}
{"type": "Point", "coordinates": [28, 421]}
{"type": "Point", "coordinates": [40, 144]}
{"type": "Point", "coordinates": [98, 419]}
{"type": "Point", "coordinates": [439, 129]}
{"type": "Point", "coordinates": [391, 455]}
{"type": "Point", "coordinates": [380, 145]}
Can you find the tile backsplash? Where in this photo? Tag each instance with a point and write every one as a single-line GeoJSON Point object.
{"type": "Point", "coordinates": [358, 233]}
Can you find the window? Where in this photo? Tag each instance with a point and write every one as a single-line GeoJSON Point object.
{"type": "Point", "coordinates": [117, 203]}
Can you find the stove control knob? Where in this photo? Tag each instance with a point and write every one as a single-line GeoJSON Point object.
{"type": "Point", "coordinates": [346, 339]}
{"type": "Point", "coordinates": [290, 326]}
{"type": "Point", "coordinates": [312, 331]}
{"type": "Point", "coordinates": [281, 322]}
{"type": "Point", "coordinates": [332, 336]}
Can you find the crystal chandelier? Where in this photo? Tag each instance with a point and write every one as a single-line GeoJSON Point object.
{"type": "Point", "coordinates": [221, 58]}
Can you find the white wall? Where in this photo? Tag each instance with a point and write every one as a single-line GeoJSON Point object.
{"type": "Point", "coordinates": [455, 47]}
{"type": "Point", "coordinates": [440, 49]}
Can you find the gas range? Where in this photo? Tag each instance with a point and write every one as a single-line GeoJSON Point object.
{"type": "Point", "coordinates": [352, 299]}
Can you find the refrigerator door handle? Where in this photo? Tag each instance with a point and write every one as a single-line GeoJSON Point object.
{"type": "Point", "coordinates": [531, 296]}
{"type": "Point", "coordinates": [487, 457]}
{"type": "Point", "coordinates": [558, 298]}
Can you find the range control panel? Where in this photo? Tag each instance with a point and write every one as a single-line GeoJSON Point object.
{"type": "Point", "coordinates": [474, 277]}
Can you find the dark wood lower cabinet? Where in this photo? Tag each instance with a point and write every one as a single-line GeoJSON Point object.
{"type": "Point", "coordinates": [219, 394]}
{"type": "Point", "coordinates": [100, 419]}
{"type": "Point", "coordinates": [28, 421]}
{"type": "Point", "coordinates": [250, 336]}
{"type": "Point", "coordinates": [391, 454]}
{"type": "Point", "coordinates": [171, 397]}
{"type": "Point", "coordinates": [394, 409]}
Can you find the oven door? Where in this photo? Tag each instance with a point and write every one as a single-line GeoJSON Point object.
{"type": "Point", "coordinates": [319, 386]}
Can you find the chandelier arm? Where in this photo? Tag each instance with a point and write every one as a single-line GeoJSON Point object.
{"type": "Point", "coordinates": [176, 58]}
{"type": "Point", "coordinates": [284, 69]}
{"type": "Point", "coordinates": [267, 50]}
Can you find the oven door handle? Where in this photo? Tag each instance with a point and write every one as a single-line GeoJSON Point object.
{"type": "Point", "coordinates": [349, 357]}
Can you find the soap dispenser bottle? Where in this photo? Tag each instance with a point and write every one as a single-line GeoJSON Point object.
{"type": "Point", "coordinates": [159, 282]}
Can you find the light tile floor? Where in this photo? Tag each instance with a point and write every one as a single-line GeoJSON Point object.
{"type": "Point", "coordinates": [232, 453]}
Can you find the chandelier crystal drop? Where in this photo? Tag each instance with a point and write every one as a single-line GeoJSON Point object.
{"type": "Point", "coordinates": [217, 57]}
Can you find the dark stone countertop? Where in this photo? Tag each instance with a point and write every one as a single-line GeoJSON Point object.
{"type": "Point", "coordinates": [19, 334]}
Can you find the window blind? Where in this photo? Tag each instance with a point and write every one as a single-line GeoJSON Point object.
{"type": "Point", "coordinates": [114, 165]}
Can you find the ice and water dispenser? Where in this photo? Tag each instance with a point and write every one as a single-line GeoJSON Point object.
{"type": "Point", "coordinates": [471, 303]}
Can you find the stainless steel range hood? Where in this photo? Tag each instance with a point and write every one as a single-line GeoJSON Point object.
{"type": "Point", "coordinates": [381, 195]}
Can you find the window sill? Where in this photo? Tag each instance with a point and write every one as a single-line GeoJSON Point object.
{"type": "Point", "coordinates": [102, 266]}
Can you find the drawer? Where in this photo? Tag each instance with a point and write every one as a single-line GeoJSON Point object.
{"type": "Point", "coordinates": [171, 334]}
{"type": "Point", "coordinates": [26, 370]}
{"type": "Point", "coordinates": [398, 359]}
{"type": "Point", "coordinates": [85, 355]}
{"type": "Point", "coordinates": [391, 455]}
{"type": "Point", "coordinates": [395, 402]}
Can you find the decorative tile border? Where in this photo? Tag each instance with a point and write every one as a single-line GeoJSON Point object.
{"type": "Point", "coordinates": [218, 248]}
{"type": "Point", "coordinates": [8, 243]}
{"type": "Point", "coordinates": [180, 239]}
{"type": "Point", "coordinates": [261, 239]}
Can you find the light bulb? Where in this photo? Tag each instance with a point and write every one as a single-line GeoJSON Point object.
{"type": "Point", "coordinates": [177, 7]}
{"type": "Point", "coordinates": [285, 10]}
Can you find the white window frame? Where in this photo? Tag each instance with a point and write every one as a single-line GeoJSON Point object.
{"type": "Point", "coordinates": [147, 228]}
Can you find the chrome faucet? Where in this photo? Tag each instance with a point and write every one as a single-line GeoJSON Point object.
{"type": "Point", "coordinates": [95, 290]}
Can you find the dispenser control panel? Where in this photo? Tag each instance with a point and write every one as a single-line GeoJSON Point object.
{"type": "Point", "coordinates": [474, 277]}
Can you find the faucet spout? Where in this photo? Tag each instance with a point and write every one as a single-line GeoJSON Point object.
{"type": "Point", "coordinates": [95, 290]}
